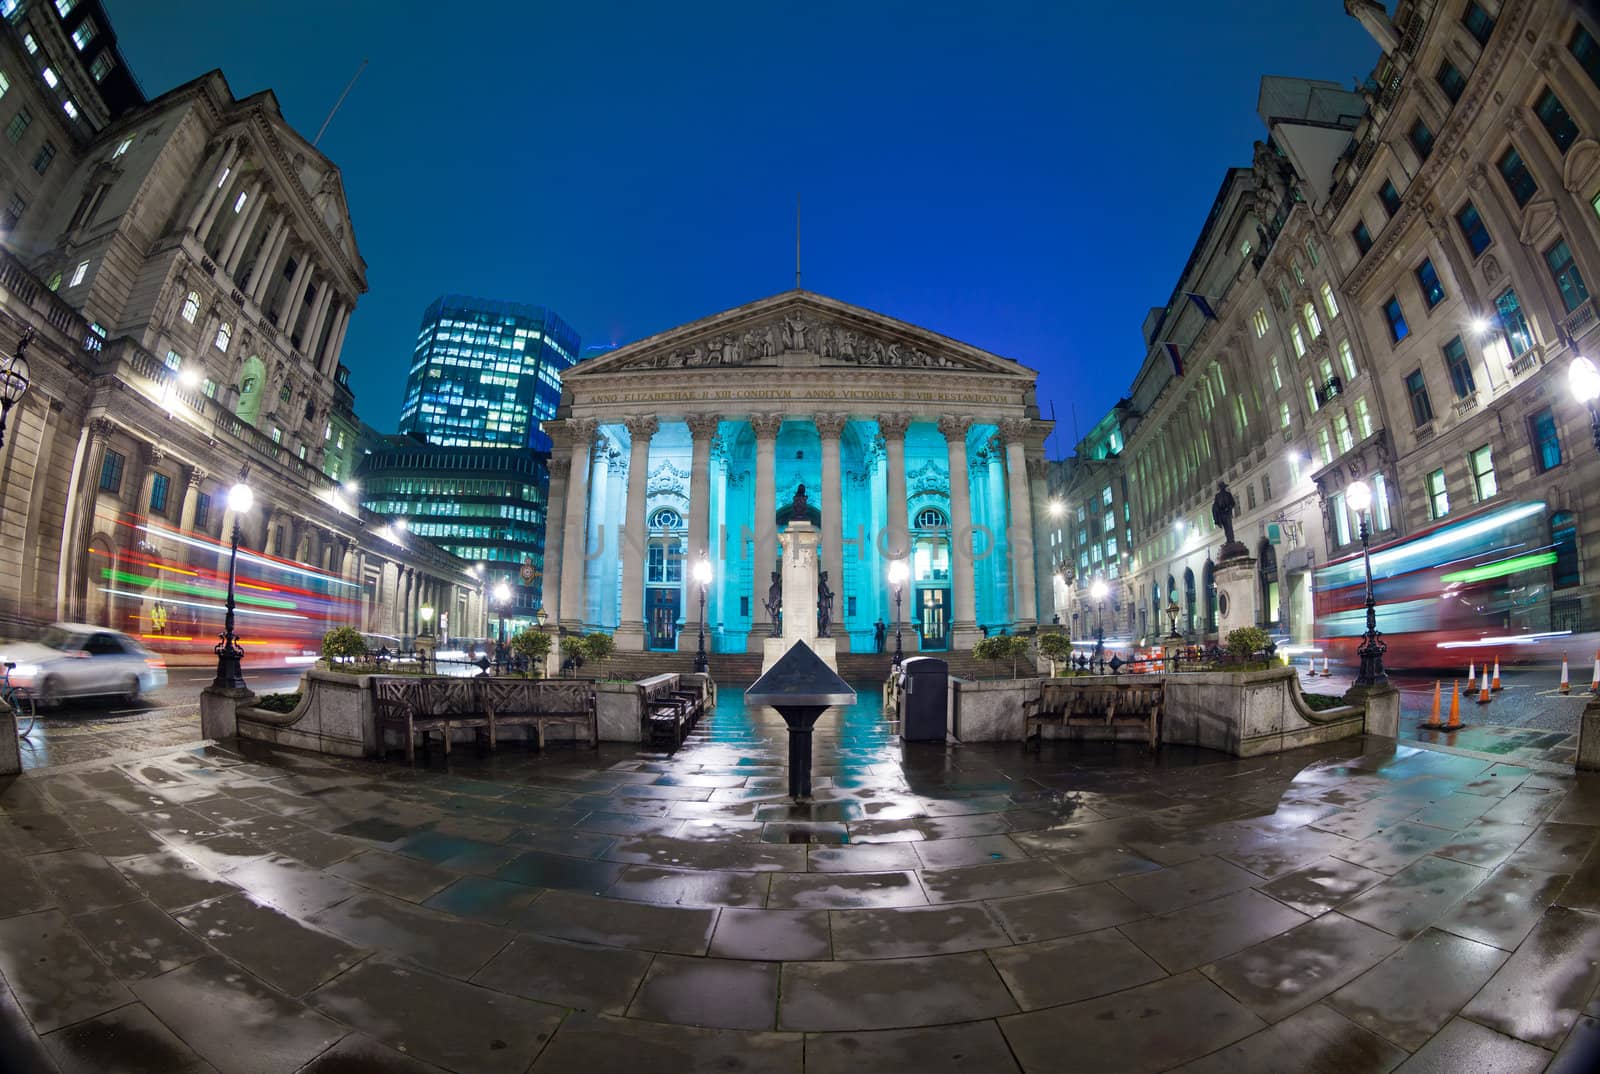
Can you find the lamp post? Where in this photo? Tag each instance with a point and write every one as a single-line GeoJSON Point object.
{"type": "Point", "coordinates": [230, 670]}
{"type": "Point", "coordinates": [425, 613]}
{"type": "Point", "coordinates": [14, 378]}
{"type": "Point", "coordinates": [1359, 496]}
{"type": "Point", "coordinates": [1098, 591]}
{"type": "Point", "coordinates": [1584, 379]}
{"type": "Point", "coordinates": [702, 574]}
{"type": "Point", "coordinates": [897, 581]}
{"type": "Point", "coordinates": [502, 597]}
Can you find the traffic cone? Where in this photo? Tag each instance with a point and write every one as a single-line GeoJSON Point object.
{"type": "Point", "coordinates": [1455, 708]}
{"type": "Point", "coordinates": [1472, 673]}
{"type": "Point", "coordinates": [1483, 694]}
{"type": "Point", "coordinates": [1566, 683]}
{"type": "Point", "coordinates": [1433, 719]}
{"type": "Point", "coordinates": [1495, 683]}
{"type": "Point", "coordinates": [1326, 674]}
{"type": "Point", "coordinates": [1594, 687]}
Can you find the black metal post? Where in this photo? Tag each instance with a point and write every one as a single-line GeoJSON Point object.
{"type": "Point", "coordinates": [1100, 637]}
{"type": "Point", "coordinates": [898, 652]}
{"type": "Point", "coordinates": [702, 665]}
{"type": "Point", "coordinates": [1372, 644]}
{"type": "Point", "coordinates": [230, 657]}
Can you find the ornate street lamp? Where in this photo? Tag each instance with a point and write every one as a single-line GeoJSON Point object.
{"type": "Point", "coordinates": [898, 572]}
{"type": "Point", "coordinates": [1359, 497]}
{"type": "Point", "coordinates": [230, 670]}
{"type": "Point", "coordinates": [1098, 591]}
{"type": "Point", "coordinates": [702, 574]}
{"type": "Point", "coordinates": [425, 613]}
{"type": "Point", "coordinates": [14, 378]}
{"type": "Point", "coordinates": [502, 597]}
{"type": "Point", "coordinates": [1584, 379]}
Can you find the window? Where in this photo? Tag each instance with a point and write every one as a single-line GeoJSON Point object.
{"type": "Point", "coordinates": [5, 83]}
{"type": "Point", "coordinates": [1417, 392]}
{"type": "Point", "coordinates": [1564, 535]}
{"type": "Point", "coordinates": [1266, 487]}
{"type": "Point", "coordinates": [54, 282]}
{"type": "Point", "coordinates": [111, 471]}
{"type": "Point", "coordinates": [79, 273]}
{"type": "Point", "coordinates": [1483, 481]}
{"type": "Point", "coordinates": [1261, 323]}
{"type": "Point", "coordinates": [1299, 339]}
{"type": "Point", "coordinates": [1517, 177]}
{"type": "Point", "coordinates": [238, 203]}
{"type": "Point", "coordinates": [1325, 445]}
{"type": "Point", "coordinates": [1299, 276]}
{"type": "Point", "coordinates": [283, 394]}
{"type": "Point", "coordinates": [1341, 519]}
{"type": "Point", "coordinates": [1438, 495]}
{"type": "Point", "coordinates": [19, 124]}
{"type": "Point", "coordinates": [1284, 417]}
{"type": "Point", "coordinates": [1105, 495]}
{"type": "Point", "coordinates": [1347, 360]}
{"type": "Point", "coordinates": [1109, 523]}
{"type": "Point", "coordinates": [277, 435]}
{"type": "Point", "coordinates": [1451, 80]}
{"type": "Point", "coordinates": [64, 7]}
{"type": "Point", "coordinates": [1328, 302]}
{"type": "Point", "coordinates": [1362, 236]}
{"type": "Point", "coordinates": [1312, 252]}
{"type": "Point", "coordinates": [84, 34]}
{"type": "Point", "coordinates": [1569, 281]}
{"type": "Point", "coordinates": [1546, 440]}
{"type": "Point", "coordinates": [15, 207]}
{"type": "Point", "coordinates": [191, 306]}
{"type": "Point", "coordinates": [50, 78]}
{"type": "Point", "coordinates": [1455, 360]}
{"type": "Point", "coordinates": [1390, 197]}
{"type": "Point", "coordinates": [1363, 417]}
{"type": "Point", "coordinates": [42, 159]}
{"type": "Point", "coordinates": [1325, 368]}
{"type": "Point", "coordinates": [1313, 323]}
{"type": "Point", "coordinates": [1250, 496]}
{"type": "Point", "coordinates": [1421, 138]}
{"type": "Point", "coordinates": [174, 360]}
{"type": "Point", "coordinates": [1583, 47]}
{"type": "Point", "coordinates": [1244, 248]}
{"type": "Point", "coordinates": [122, 147]}
{"type": "Point", "coordinates": [30, 44]}
{"type": "Point", "coordinates": [1341, 430]}
{"type": "Point", "coordinates": [158, 493]}
{"type": "Point", "coordinates": [1472, 229]}
{"type": "Point", "coordinates": [1513, 323]}
{"type": "Point", "coordinates": [224, 335]}
{"type": "Point", "coordinates": [1557, 121]}
{"type": "Point", "coordinates": [103, 65]}
{"type": "Point", "coordinates": [1396, 317]}
{"type": "Point", "coordinates": [70, 109]}
{"type": "Point", "coordinates": [1311, 395]}
{"type": "Point", "coordinates": [1428, 280]}
{"type": "Point", "coordinates": [1283, 294]}
{"type": "Point", "coordinates": [1277, 375]}
{"type": "Point", "coordinates": [202, 510]}
{"type": "Point", "coordinates": [210, 388]}
{"type": "Point", "coordinates": [1479, 23]}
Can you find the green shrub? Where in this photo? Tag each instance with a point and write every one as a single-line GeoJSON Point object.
{"type": "Point", "coordinates": [597, 645]}
{"type": "Point", "coordinates": [1320, 702]}
{"type": "Point", "coordinates": [1055, 647]}
{"type": "Point", "coordinates": [534, 645]}
{"type": "Point", "coordinates": [342, 644]}
{"type": "Point", "coordinates": [279, 702]}
{"type": "Point", "coordinates": [1001, 647]}
{"type": "Point", "coordinates": [1245, 642]}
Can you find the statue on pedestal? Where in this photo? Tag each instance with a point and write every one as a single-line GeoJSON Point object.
{"type": "Point", "coordinates": [800, 508]}
{"type": "Point", "coordinates": [1223, 507]}
{"type": "Point", "coordinates": [824, 607]}
{"type": "Point", "coordinates": [774, 604]}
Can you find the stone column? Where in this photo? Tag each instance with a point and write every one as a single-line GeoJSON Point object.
{"type": "Point", "coordinates": [243, 221]}
{"type": "Point", "coordinates": [830, 427]}
{"type": "Point", "coordinates": [267, 263]}
{"type": "Point", "coordinates": [191, 499]}
{"type": "Point", "coordinates": [72, 585]}
{"type": "Point", "coordinates": [1038, 499]}
{"type": "Point", "coordinates": [1021, 535]}
{"type": "Point", "coordinates": [614, 508]}
{"type": "Point", "coordinates": [224, 194]}
{"type": "Point", "coordinates": [326, 361]}
{"type": "Point", "coordinates": [213, 188]}
{"type": "Point", "coordinates": [263, 252]}
{"type": "Point", "coordinates": [893, 427]}
{"type": "Point", "coordinates": [702, 427]}
{"type": "Point", "coordinates": [297, 294]}
{"type": "Point", "coordinates": [319, 313]}
{"type": "Point", "coordinates": [764, 525]}
{"type": "Point", "coordinates": [152, 456]}
{"type": "Point", "coordinates": [964, 622]}
{"type": "Point", "coordinates": [574, 550]}
{"type": "Point", "coordinates": [555, 517]}
{"type": "Point", "coordinates": [336, 341]}
{"type": "Point", "coordinates": [634, 537]}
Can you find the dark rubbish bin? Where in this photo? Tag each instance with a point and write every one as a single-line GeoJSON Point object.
{"type": "Point", "coordinates": [924, 689]}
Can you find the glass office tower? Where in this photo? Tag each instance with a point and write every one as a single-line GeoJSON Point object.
{"type": "Point", "coordinates": [485, 373]}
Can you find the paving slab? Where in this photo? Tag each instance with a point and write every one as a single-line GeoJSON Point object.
{"type": "Point", "coordinates": [890, 993]}
{"type": "Point", "coordinates": [1412, 995]}
{"type": "Point", "coordinates": [1464, 1045]}
{"type": "Point", "coordinates": [1296, 968]}
{"type": "Point", "coordinates": [128, 1040]}
{"type": "Point", "coordinates": [586, 1043]}
{"type": "Point", "coordinates": [1049, 973]}
{"type": "Point", "coordinates": [1315, 1040]}
{"type": "Point", "coordinates": [580, 976]}
{"type": "Point", "coordinates": [1541, 989]}
{"type": "Point", "coordinates": [77, 985]}
{"type": "Point", "coordinates": [280, 949]}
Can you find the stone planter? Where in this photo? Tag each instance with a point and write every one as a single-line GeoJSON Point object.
{"type": "Point", "coordinates": [1250, 713]}
{"type": "Point", "coordinates": [335, 715]}
{"type": "Point", "coordinates": [989, 710]}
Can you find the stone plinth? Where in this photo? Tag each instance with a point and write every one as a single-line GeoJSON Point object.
{"type": "Point", "coordinates": [1589, 737]}
{"type": "Point", "coordinates": [1235, 580]}
{"type": "Point", "coordinates": [1382, 703]}
{"type": "Point", "coordinates": [219, 710]}
{"type": "Point", "coordinates": [800, 566]}
{"type": "Point", "coordinates": [10, 748]}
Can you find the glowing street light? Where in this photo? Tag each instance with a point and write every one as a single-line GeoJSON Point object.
{"type": "Point", "coordinates": [898, 573]}
{"type": "Point", "coordinates": [1057, 508]}
{"type": "Point", "coordinates": [230, 657]}
{"type": "Point", "coordinates": [1098, 591]}
{"type": "Point", "coordinates": [14, 378]}
{"type": "Point", "coordinates": [1584, 380]}
{"type": "Point", "coordinates": [1359, 497]}
{"type": "Point", "coordinates": [702, 574]}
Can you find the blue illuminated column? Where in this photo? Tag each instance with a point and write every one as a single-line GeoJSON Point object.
{"type": "Point", "coordinates": [1020, 524]}
{"type": "Point", "coordinates": [829, 429]}
{"type": "Point", "coordinates": [702, 427]}
{"type": "Point", "coordinates": [964, 625]}
{"type": "Point", "coordinates": [581, 431]}
{"type": "Point", "coordinates": [764, 525]}
{"type": "Point", "coordinates": [635, 537]}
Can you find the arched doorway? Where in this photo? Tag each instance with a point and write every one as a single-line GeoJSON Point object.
{"type": "Point", "coordinates": [1267, 570]}
{"type": "Point", "coordinates": [1208, 581]}
{"type": "Point", "coordinates": [663, 599]}
{"type": "Point", "coordinates": [1188, 600]}
{"type": "Point", "coordinates": [930, 576]}
{"type": "Point", "coordinates": [252, 384]}
{"type": "Point", "coordinates": [1172, 599]}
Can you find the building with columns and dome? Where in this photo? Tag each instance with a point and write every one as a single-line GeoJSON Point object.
{"type": "Point", "coordinates": [694, 442]}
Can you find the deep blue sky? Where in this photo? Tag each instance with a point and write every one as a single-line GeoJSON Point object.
{"type": "Point", "coordinates": [1028, 178]}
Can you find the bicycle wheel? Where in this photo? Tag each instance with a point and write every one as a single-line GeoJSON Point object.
{"type": "Point", "coordinates": [22, 709]}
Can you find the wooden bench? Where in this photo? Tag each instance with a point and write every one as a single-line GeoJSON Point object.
{"type": "Point", "coordinates": [1096, 705]}
{"type": "Point", "coordinates": [669, 713]}
{"type": "Point", "coordinates": [541, 705]}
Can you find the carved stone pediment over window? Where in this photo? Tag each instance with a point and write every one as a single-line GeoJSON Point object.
{"type": "Point", "coordinates": [1537, 218]}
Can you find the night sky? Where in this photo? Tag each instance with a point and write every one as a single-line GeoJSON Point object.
{"type": "Point", "coordinates": [1028, 178]}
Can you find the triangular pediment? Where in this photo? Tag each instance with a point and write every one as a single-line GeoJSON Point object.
{"type": "Point", "coordinates": [768, 332]}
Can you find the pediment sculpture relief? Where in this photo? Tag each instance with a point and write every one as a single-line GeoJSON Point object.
{"type": "Point", "coordinates": [793, 334]}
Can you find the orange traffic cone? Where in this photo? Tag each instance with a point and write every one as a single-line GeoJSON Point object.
{"type": "Point", "coordinates": [1494, 684]}
{"type": "Point", "coordinates": [1326, 674]}
{"type": "Point", "coordinates": [1472, 673]}
{"type": "Point", "coordinates": [1483, 694]}
{"type": "Point", "coordinates": [1594, 686]}
{"type": "Point", "coordinates": [1433, 719]}
{"type": "Point", "coordinates": [1455, 708]}
{"type": "Point", "coordinates": [1566, 682]}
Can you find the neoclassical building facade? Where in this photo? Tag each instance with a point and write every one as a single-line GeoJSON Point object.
{"type": "Point", "coordinates": [694, 442]}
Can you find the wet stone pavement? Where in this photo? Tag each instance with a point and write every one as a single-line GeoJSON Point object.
{"type": "Point", "coordinates": [1349, 908]}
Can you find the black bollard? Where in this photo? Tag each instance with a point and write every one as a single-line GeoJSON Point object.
{"type": "Point", "coordinates": [801, 687]}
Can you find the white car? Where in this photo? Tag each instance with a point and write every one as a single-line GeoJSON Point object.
{"type": "Point", "coordinates": [78, 660]}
